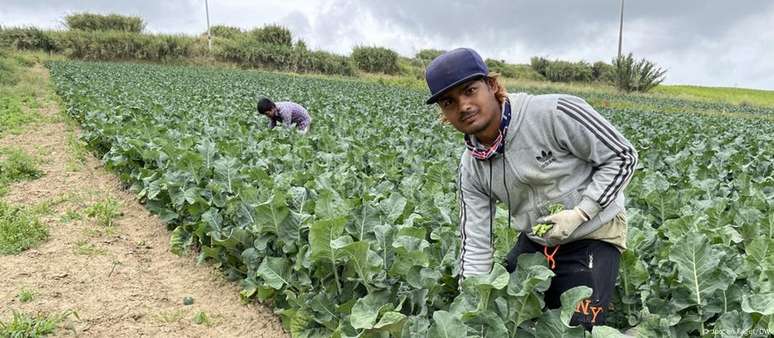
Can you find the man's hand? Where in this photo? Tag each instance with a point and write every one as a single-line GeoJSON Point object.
{"type": "Point", "coordinates": [565, 222]}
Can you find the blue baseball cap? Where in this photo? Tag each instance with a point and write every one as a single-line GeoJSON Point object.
{"type": "Point", "coordinates": [451, 69]}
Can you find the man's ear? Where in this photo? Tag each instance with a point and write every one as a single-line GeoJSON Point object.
{"type": "Point", "coordinates": [490, 82]}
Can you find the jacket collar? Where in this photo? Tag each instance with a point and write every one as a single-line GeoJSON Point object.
{"type": "Point", "coordinates": [481, 152]}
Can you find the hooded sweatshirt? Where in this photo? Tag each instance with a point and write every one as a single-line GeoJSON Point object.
{"type": "Point", "coordinates": [558, 149]}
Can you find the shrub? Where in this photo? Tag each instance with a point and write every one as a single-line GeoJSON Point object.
{"type": "Point", "coordinates": [602, 71]}
{"type": "Point", "coordinates": [513, 71]}
{"type": "Point", "coordinates": [411, 67]}
{"type": "Point", "coordinates": [498, 66]}
{"type": "Point", "coordinates": [375, 59]}
{"type": "Point", "coordinates": [110, 22]}
{"type": "Point", "coordinates": [223, 31]}
{"type": "Point", "coordinates": [272, 35]}
{"type": "Point", "coordinates": [27, 38]}
{"type": "Point", "coordinates": [305, 61]}
{"type": "Point", "coordinates": [632, 75]}
{"type": "Point", "coordinates": [564, 71]}
{"type": "Point", "coordinates": [96, 45]}
{"type": "Point", "coordinates": [267, 47]}
{"type": "Point", "coordinates": [427, 55]}
{"type": "Point", "coordinates": [539, 64]}
{"type": "Point", "coordinates": [300, 44]}
{"type": "Point", "coordinates": [248, 52]}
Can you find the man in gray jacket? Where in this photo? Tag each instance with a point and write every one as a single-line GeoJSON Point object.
{"type": "Point", "coordinates": [532, 152]}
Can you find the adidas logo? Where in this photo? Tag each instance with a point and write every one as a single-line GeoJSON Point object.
{"type": "Point", "coordinates": [545, 158]}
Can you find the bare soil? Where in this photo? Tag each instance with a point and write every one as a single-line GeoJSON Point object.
{"type": "Point", "coordinates": [121, 280]}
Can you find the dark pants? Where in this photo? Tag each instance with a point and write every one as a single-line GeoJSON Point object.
{"type": "Point", "coordinates": [588, 262]}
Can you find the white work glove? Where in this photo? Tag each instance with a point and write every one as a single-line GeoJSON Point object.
{"type": "Point", "coordinates": [565, 222]}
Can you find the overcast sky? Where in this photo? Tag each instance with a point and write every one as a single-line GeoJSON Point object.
{"type": "Point", "coordinates": [702, 42]}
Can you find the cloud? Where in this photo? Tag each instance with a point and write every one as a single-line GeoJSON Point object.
{"type": "Point", "coordinates": [720, 43]}
{"type": "Point", "coordinates": [738, 56]}
{"type": "Point", "coordinates": [161, 16]}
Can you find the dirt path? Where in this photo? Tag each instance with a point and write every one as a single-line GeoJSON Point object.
{"type": "Point", "coordinates": [121, 280]}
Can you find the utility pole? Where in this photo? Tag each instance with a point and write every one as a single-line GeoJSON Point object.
{"type": "Point", "coordinates": [209, 35]}
{"type": "Point", "coordinates": [620, 30]}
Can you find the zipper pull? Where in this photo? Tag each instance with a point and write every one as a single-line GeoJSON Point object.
{"type": "Point", "coordinates": [591, 261]}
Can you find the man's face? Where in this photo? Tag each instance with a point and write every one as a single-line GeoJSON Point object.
{"type": "Point", "coordinates": [471, 107]}
{"type": "Point", "coordinates": [272, 112]}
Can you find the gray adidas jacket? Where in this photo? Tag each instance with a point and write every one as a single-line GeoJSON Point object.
{"type": "Point", "coordinates": [558, 150]}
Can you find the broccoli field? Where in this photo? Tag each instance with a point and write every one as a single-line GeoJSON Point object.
{"type": "Point", "coordinates": [352, 229]}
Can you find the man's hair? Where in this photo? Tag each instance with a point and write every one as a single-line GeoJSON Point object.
{"type": "Point", "coordinates": [493, 80]}
{"type": "Point", "coordinates": [500, 92]}
{"type": "Point", "coordinates": [264, 105]}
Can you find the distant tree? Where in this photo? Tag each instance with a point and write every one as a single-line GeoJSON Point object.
{"type": "Point", "coordinates": [565, 71]}
{"type": "Point", "coordinates": [376, 59]}
{"type": "Point", "coordinates": [602, 71]}
{"type": "Point", "coordinates": [539, 64]}
{"type": "Point", "coordinates": [632, 75]}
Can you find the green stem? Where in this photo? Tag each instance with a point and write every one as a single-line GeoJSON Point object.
{"type": "Point", "coordinates": [626, 289]}
{"type": "Point", "coordinates": [362, 222]}
{"type": "Point", "coordinates": [303, 201]}
{"type": "Point", "coordinates": [336, 276]}
{"type": "Point", "coordinates": [485, 300]}
{"type": "Point", "coordinates": [725, 302]}
{"type": "Point", "coordinates": [384, 256]}
{"type": "Point", "coordinates": [662, 209]}
{"type": "Point", "coordinates": [701, 320]}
